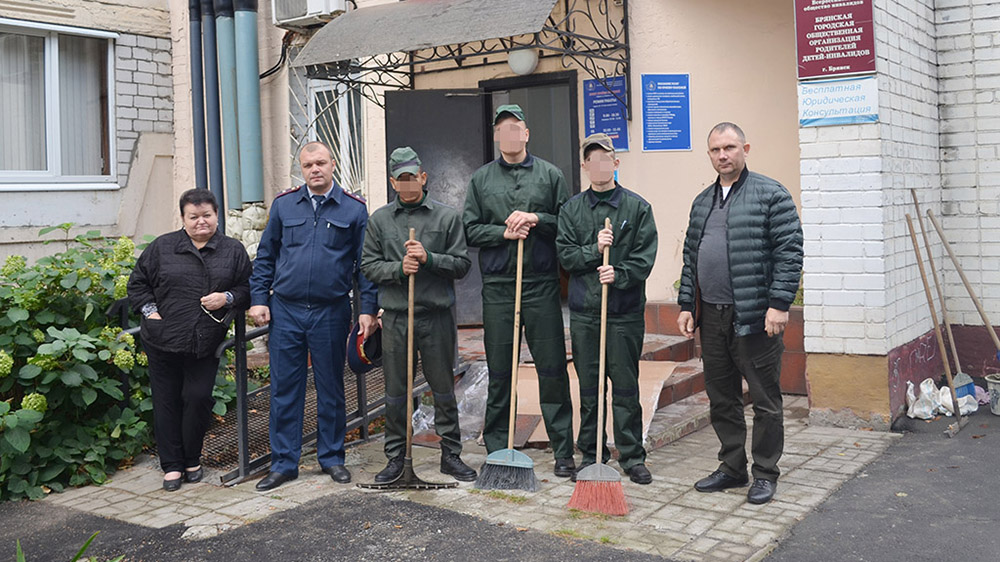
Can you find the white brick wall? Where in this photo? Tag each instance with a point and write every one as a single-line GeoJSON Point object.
{"type": "Point", "coordinates": [968, 40]}
{"type": "Point", "coordinates": [862, 293]}
{"type": "Point", "coordinates": [144, 93]}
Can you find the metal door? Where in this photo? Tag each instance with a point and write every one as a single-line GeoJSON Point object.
{"type": "Point", "coordinates": [447, 129]}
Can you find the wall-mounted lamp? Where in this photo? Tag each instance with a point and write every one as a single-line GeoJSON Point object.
{"type": "Point", "coordinates": [523, 61]}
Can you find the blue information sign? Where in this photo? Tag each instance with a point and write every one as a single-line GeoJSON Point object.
{"type": "Point", "coordinates": [603, 111]}
{"type": "Point", "coordinates": [666, 112]}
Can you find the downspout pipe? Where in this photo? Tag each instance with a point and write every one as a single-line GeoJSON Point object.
{"type": "Point", "coordinates": [197, 95]}
{"type": "Point", "coordinates": [213, 129]}
{"type": "Point", "coordinates": [248, 101]}
{"type": "Point", "coordinates": [225, 31]}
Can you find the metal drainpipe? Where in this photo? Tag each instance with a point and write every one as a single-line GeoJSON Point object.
{"type": "Point", "coordinates": [226, 35]}
{"type": "Point", "coordinates": [197, 95]}
{"type": "Point", "coordinates": [248, 101]}
{"type": "Point", "coordinates": [212, 107]}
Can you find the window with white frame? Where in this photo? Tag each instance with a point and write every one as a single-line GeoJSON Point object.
{"type": "Point", "coordinates": [56, 106]}
{"type": "Point", "coordinates": [335, 113]}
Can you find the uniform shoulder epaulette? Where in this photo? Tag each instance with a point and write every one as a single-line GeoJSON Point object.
{"type": "Point", "coordinates": [354, 196]}
{"type": "Point", "coordinates": [289, 190]}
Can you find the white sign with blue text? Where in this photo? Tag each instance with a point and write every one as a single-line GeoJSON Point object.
{"type": "Point", "coordinates": [846, 101]}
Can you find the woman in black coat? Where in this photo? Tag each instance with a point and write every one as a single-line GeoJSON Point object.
{"type": "Point", "coordinates": [188, 285]}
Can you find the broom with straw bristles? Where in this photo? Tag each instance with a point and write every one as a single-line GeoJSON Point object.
{"type": "Point", "coordinates": [508, 469]}
{"type": "Point", "coordinates": [598, 486]}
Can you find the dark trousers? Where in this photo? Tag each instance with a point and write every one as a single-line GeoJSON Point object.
{"type": "Point", "coordinates": [541, 316]}
{"type": "Point", "coordinates": [299, 332]}
{"type": "Point", "coordinates": [434, 338]}
{"type": "Point", "coordinates": [182, 385]}
{"type": "Point", "coordinates": [729, 359]}
{"type": "Point", "coordinates": [624, 346]}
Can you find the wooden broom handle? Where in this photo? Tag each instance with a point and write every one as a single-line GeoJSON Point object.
{"type": "Point", "coordinates": [409, 358]}
{"type": "Point", "coordinates": [968, 286]}
{"type": "Point", "coordinates": [602, 356]}
{"type": "Point", "coordinates": [515, 359]}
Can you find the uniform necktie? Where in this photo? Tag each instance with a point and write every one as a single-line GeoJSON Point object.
{"type": "Point", "coordinates": [318, 201]}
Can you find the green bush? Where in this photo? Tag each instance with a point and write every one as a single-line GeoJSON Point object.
{"type": "Point", "coordinates": [61, 363]}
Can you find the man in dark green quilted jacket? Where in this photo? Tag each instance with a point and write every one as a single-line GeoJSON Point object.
{"type": "Point", "coordinates": [742, 262]}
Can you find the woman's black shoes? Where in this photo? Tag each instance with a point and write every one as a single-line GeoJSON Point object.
{"type": "Point", "coordinates": [192, 476]}
{"type": "Point", "coordinates": [172, 485]}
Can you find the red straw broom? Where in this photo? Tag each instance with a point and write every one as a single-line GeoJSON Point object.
{"type": "Point", "coordinates": [598, 486]}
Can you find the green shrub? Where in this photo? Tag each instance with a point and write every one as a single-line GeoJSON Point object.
{"type": "Point", "coordinates": [60, 361]}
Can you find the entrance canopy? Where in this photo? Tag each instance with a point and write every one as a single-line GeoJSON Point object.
{"type": "Point", "coordinates": [384, 46]}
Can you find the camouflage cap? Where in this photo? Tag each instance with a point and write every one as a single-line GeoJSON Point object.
{"type": "Point", "coordinates": [598, 139]}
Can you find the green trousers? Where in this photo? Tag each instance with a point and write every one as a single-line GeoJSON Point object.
{"type": "Point", "coordinates": [434, 338]}
{"type": "Point", "coordinates": [624, 346]}
{"type": "Point", "coordinates": [541, 316]}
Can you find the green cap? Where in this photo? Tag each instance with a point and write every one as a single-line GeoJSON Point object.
{"type": "Point", "coordinates": [402, 160]}
{"type": "Point", "coordinates": [598, 139]}
{"type": "Point", "coordinates": [510, 109]}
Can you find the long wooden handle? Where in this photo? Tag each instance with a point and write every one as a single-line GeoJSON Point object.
{"type": "Point", "coordinates": [937, 283]}
{"type": "Point", "coordinates": [961, 274]}
{"type": "Point", "coordinates": [516, 351]}
{"type": "Point", "coordinates": [602, 356]}
{"type": "Point", "coordinates": [409, 359]}
{"type": "Point", "coordinates": [934, 318]}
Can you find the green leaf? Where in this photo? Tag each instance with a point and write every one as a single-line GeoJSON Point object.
{"type": "Point", "coordinates": [24, 339]}
{"type": "Point", "coordinates": [4, 407]}
{"type": "Point", "coordinates": [84, 547]}
{"type": "Point", "coordinates": [219, 408]}
{"type": "Point", "coordinates": [116, 432]}
{"type": "Point", "coordinates": [17, 314]}
{"type": "Point", "coordinates": [71, 378]}
{"type": "Point", "coordinates": [69, 280]}
{"type": "Point", "coordinates": [17, 485]}
{"type": "Point", "coordinates": [11, 421]}
{"type": "Point", "coordinates": [86, 371]}
{"type": "Point", "coordinates": [50, 472]}
{"type": "Point", "coordinates": [49, 377]}
{"type": "Point", "coordinates": [35, 493]}
{"type": "Point", "coordinates": [83, 355]}
{"type": "Point", "coordinates": [90, 306]}
{"type": "Point", "coordinates": [18, 438]}
{"type": "Point", "coordinates": [88, 395]}
{"type": "Point", "coordinates": [29, 417]}
{"type": "Point", "coordinates": [82, 285]}
{"type": "Point", "coordinates": [104, 355]}
{"type": "Point", "coordinates": [45, 317]}
{"type": "Point", "coordinates": [29, 371]}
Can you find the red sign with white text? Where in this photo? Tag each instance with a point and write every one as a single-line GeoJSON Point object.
{"type": "Point", "coordinates": [834, 37]}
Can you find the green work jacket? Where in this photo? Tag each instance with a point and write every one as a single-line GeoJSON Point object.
{"type": "Point", "coordinates": [495, 191]}
{"type": "Point", "coordinates": [439, 228]}
{"type": "Point", "coordinates": [632, 252]}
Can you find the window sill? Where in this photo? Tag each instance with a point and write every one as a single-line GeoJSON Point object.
{"type": "Point", "coordinates": [56, 186]}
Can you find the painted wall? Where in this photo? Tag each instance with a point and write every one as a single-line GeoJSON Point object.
{"type": "Point", "coordinates": [758, 92]}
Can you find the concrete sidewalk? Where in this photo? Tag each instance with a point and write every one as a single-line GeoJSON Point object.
{"type": "Point", "coordinates": [668, 518]}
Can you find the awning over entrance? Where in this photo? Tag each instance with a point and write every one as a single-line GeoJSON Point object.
{"type": "Point", "coordinates": [421, 24]}
{"type": "Point", "coordinates": [384, 46]}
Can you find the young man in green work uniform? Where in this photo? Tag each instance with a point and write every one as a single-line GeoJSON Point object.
{"type": "Point", "coordinates": [581, 242]}
{"type": "Point", "coordinates": [517, 196]}
{"type": "Point", "coordinates": [437, 256]}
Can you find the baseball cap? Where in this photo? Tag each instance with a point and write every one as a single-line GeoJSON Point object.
{"type": "Point", "coordinates": [598, 139]}
{"type": "Point", "coordinates": [402, 160]}
{"type": "Point", "coordinates": [510, 109]}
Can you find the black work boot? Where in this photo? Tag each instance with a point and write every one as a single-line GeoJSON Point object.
{"type": "Point", "coordinates": [391, 471]}
{"type": "Point", "coordinates": [452, 465]}
{"type": "Point", "coordinates": [564, 467]}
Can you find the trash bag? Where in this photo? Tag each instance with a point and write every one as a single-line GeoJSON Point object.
{"type": "Point", "coordinates": [966, 404]}
{"type": "Point", "coordinates": [470, 392]}
{"type": "Point", "coordinates": [926, 405]}
{"type": "Point", "coordinates": [982, 396]}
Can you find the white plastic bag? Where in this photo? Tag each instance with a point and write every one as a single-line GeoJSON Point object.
{"type": "Point", "coordinates": [926, 405]}
{"type": "Point", "coordinates": [966, 404]}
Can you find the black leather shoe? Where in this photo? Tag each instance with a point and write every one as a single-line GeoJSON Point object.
{"type": "Point", "coordinates": [582, 466]}
{"type": "Point", "coordinates": [339, 473]}
{"type": "Point", "coordinates": [639, 474]}
{"type": "Point", "coordinates": [761, 491]}
{"type": "Point", "coordinates": [391, 471]}
{"type": "Point", "coordinates": [193, 476]}
{"type": "Point", "coordinates": [565, 467]}
{"type": "Point", "coordinates": [718, 481]}
{"type": "Point", "coordinates": [172, 485]}
{"type": "Point", "coordinates": [453, 466]}
{"type": "Point", "coordinates": [273, 480]}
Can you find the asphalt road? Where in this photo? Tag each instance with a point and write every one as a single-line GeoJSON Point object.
{"type": "Point", "coordinates": [929, 497]}
{"type": "Point", "coordinates": [352, 527]}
